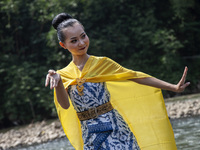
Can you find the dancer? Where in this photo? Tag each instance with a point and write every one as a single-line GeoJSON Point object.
{"type": "Point", "coordinates": [102, 105]}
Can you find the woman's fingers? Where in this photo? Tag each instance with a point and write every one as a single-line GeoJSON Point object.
{"type": "Point", "coordinates": [52, 83]}
{"type": "Point", "coordinates": [47, 80]}
{"type": "Point", "coordinates": [52, 72]}
{"type": "Point", "coordinates": [182, 88]}
{"type": "Point", "coordinates": [52, 78]}
{"type": "Point", "coordinates": [56, 83]}
{"type": "Point", "coordinates": [186, 84]}
{"type": "Point", "coordinates": [182, 85]}
{"type": "Point", "coordinates": [182, 81]}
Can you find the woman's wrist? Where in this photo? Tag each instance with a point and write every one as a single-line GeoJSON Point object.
{"type": "Point", "coordinates": [173, 88]}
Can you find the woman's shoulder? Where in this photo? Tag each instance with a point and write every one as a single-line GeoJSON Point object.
{"type": "Point", "coordinates": [101, 58]}
{"type": "Point", "coordinates": [98, 57]}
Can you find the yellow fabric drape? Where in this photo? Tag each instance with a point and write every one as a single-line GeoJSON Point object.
{"type": "Point", "coordinates": [141, 106]}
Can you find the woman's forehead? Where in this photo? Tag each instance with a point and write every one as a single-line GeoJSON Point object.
{"type": "Point", "coordinates": [74, 31]}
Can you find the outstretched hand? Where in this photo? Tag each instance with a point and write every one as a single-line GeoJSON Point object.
{"type": "Point", "coordinates": [53, 78]}
{"type": "Point", "coordinates": [180, 87]}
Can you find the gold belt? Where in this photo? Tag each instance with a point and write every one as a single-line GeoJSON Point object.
{"type": "Point", "coordinates": [94, 112]}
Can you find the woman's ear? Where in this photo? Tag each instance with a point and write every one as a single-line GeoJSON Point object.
{"type": "Point", "coordinates": [62, 45]}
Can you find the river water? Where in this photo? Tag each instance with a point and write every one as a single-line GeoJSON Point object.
{"type": "Point", "coordinates": [186, 131]}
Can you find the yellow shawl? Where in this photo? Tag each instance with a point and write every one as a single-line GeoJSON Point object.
{"type": "Point", "coordinates": [141, 106]}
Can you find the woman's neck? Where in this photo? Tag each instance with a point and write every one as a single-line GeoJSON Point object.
{"type": "Point", "coordinates": [80, 61]}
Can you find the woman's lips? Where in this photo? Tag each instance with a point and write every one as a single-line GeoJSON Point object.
{"type": "Point", "coordinates": [82, 48]}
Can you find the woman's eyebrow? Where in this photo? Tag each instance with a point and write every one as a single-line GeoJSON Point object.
{"type": "Point", "coordinates": [82, 33]}
{"type": "Point", "coordinates": [75, 37]}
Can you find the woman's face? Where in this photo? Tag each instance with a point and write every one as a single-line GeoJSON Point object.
{"type": "Point", "coordinates": [77, 41]}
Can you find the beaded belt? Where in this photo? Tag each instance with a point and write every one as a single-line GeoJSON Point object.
{"type": "Point", "coordinates": [94, 112]}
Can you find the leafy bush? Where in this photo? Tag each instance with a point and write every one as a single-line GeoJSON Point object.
{"type": "Point", "coordinates": [155, 37]}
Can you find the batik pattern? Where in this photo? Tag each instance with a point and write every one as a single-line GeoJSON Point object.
{"type": "Point", "coordinates": [107, 132]}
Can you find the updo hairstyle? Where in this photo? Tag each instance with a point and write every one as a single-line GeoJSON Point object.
{"type": "Point", "coordinates": [62, 21]}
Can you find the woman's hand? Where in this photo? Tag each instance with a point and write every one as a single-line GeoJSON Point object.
{"type": "Point", "coordinates": [55, 82]}
{"type": "Point", "coordinates": [53, 78]}
{"type": "Point", "coordinates": [154, 82]}
{"type": "Point", "coordinates": [180, 87]}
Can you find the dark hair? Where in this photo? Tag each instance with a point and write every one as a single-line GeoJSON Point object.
{"type": "Point", "coordinates": [62, 21]}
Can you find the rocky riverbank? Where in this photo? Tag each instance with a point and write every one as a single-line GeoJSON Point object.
{"type": "Point", "coordinates": [35, 133]}
{"type": "Point", "coordinates": [186, 108]}
{"type": "Point", "coordinates": [44, 131]}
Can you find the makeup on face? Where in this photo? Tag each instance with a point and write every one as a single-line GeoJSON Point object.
{"type": "Point", "coordinates": [77, 41]}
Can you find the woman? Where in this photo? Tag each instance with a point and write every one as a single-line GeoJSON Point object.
{"type": "Point", "coordinates": [113, 111]}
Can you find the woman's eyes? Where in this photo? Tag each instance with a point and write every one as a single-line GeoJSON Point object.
{"type": "Point", "coordinates": [83, 36]}
{"type": "Point", "coordinates": [74, 41]}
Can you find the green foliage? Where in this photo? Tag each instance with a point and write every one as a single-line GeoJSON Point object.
{"type": "Point", "coordinates": [156, 37]}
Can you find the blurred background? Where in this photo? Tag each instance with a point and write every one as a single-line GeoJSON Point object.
{"type": "Point", "coordinates": [157, 37]}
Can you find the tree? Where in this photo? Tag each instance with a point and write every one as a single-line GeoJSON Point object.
{"type": "Point", "coordinates": [156, 37]}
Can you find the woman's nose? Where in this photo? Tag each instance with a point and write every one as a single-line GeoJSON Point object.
{"type": "Point", "coordinates": [81, 42]}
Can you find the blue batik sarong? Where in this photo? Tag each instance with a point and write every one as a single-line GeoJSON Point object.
{"type": "Point", "coordinates": [108, 131]}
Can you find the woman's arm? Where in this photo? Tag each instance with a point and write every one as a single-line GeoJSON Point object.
{"type": "Point", "coordinates": [55, 82]}
{"type": "Point", "coordinates": [180, 87]}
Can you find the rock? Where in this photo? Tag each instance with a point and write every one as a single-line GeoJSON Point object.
{"type": "Point", "coordinates": [184, 108]}
{"type": "Point", "coordinates": [31, 134]}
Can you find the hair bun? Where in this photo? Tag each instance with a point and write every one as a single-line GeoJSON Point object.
{"type": "Point", "coordinates": [60, 18]}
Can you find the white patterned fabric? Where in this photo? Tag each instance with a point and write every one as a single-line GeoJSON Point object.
{"type": "Point", "coordinates": [108, 131]}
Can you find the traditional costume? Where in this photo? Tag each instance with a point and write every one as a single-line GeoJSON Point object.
{"type": "Point", "coordinates": [139, 116]}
